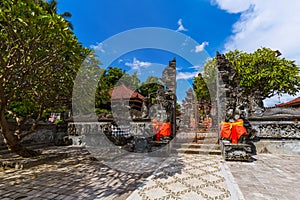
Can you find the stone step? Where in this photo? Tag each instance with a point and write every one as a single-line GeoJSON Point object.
{"type": "Point", "coordinates": [179, 144]}
{"type": "Point", "coordinates": [207, 141]}
{"type": "Point", "coordinates": [200, 138]}
{"type": "Point", "coordinates": [199, 151]}
{"type": "Point", "coordinates": [201, 146]}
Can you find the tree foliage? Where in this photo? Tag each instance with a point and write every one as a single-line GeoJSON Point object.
{"type": "Point", "coordinates": [205, 86]}
{"type": "Point", "coordinates": [262, 71]}
{"type": "Point", "coordinates": [150, 86]}
{"type": "Point", "coordinates": [83, 100]}
{"type": "Point", "coordinates": [39, 58]}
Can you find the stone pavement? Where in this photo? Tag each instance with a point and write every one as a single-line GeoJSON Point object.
{"type": "Point", "coordinates": [182, 176]}
{"type": "Point", "coordinates": [186, 177]}
{"type": "Point", "coordinates": [269, 177]}
{"type": "Point", "coordinates": [79, 176]}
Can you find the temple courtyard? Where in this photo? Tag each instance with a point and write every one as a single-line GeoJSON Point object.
{"type": "Point", "coordinates": [75, 174]}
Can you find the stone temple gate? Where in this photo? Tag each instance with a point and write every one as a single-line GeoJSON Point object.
{"type": "Point", "coordinates": [273, 129]}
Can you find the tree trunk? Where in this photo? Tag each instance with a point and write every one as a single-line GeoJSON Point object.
{"type": "Point", "coordinates": [12, 141]}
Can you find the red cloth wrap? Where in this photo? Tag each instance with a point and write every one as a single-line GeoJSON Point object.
{"type": "Point", "coordinates": [161, 129]}
{"type": "Point", "coordinates": [233, 130]}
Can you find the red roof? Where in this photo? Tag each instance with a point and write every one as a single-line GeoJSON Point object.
{"type": "Point", "coordinates": [294, 102]}
{"type": "Point", "coordinates": [123, 92]}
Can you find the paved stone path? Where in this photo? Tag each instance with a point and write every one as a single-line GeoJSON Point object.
{"type": "Point", "coordinates": [269, 177]}
{"type": "Point", "coordinates": [186, 177]}
{"type": "Point", "coordinates": [178, 177]}
{"type": "Point", "coordinates": [75, 177]}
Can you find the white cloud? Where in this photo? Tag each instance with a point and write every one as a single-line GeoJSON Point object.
{"type": "Point", "coordinates": [98, 47]}
{"type": "Point", "coordinates": [268, 23]}
{"type": "Point", "coordinates": [136, 64]}
{"type": "Point", "coordinates": [232, 6]}
{"type": "Point", "coordinates": [181, 27]}
{"type": "Point", "coordinates": [270, 102]}
{"type": "Point", "coordinates": [196, 67]}
{"type": "Point", "coordinates": [186, 75]}
{"type": "Point", "coordinates": [201, 47]}
{"type": "Point", "coordinates": [178, 68]}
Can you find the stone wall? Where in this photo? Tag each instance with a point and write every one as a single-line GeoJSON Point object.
{"type": "Point", "coordinates": [276, 129]}
{"type": "Point", "coordinates": [106, 139]}
{"type": "Point", "coordinates": [46, 134]}
{"type": "Point", "coordinates": [277, 123]}
{"type": "Point", "coordinates": [289, 147]}
{"type": "Point", "coordinates": [141, 128]}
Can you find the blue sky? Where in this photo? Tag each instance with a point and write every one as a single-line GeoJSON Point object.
{"type": "Point", "coordinates": [216, 25]}
{"type": "Point", "coordinates": [97, 20]}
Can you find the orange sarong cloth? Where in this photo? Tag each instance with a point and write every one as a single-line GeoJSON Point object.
{"type": "Point", "coordinates": [165, 129]}
{"type": "Point", "coordinates": [161, 129]}
{"type": "Point", "coordinates": [233, 130]}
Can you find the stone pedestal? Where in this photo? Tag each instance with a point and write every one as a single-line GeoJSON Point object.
{"type": "Point", "coordinates": [142, 145]}
{"type": "Point", "coordinates": [236, 152]}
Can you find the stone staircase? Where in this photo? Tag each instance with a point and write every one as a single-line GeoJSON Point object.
{"type": "Point", "coordinates": [202, 143]}
{"type": "Point", "coordinates": [211, 149]}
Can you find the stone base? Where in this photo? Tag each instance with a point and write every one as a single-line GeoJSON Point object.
{"type": "Point", "coordinates": [141, 145]}
{"type": "Point", "coordinates": [236, 152]}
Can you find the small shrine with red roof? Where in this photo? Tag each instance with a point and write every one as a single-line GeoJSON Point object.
{"type": "Point", "coordinates": [122, 93]}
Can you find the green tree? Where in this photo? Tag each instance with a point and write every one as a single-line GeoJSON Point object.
{"type": "Point", "coordinates": [150, 86]}
{"type": "Point", "coordinates": [265, 72]}
{"type": "Point", "coordinates": [200, 88]}
{"type": "Point", "coordinates": [131, 81]}
{"type": "Point", "coordinates": [39, 58]}
{"type": "Point", "coordinates": [108, 79]}
{"type": "Point", "coordinates": [262, 71]}
{"type": "Point", "coordinates": [204, 85]}
{"type": "Point", "coordinates": [87, 78]}
{"type": "Point", "coordinates": [51, 7]}
{"type": "Point", "coordinates": [112, 76]}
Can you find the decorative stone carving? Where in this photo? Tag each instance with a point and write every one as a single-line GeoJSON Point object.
{"type": "Point", "coordinates": [232, 97]}
{"type": "Point", "coordinates": [236, 152]}
{"type": "Point", "coordinates": [145, 107]}
{"type": "Point", "coordinates": [233, 105]}
{"type": "Point", "coordinates": [271, 123]}
{"type": "Point", "coordinates": [276, 129]}
{"type": "Point", "coordinates": [164, 107]}
{"type": "Point", "coordinates": [169, 76]}
{"type": "Point", "coordinates": [282, 113]}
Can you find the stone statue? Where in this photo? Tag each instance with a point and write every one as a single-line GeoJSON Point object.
{"type": "Point", "coordinates": [145, 107]}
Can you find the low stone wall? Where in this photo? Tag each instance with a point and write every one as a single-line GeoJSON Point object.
{"type": "Point", "coordinates": [46, 134]}
{"type": "Point", "coordinates": [277, 128]}
{"type": "Point", "coordinates": [141, 128]}
{"type": "Point", "coordinates": [289, 147]}
{"type": "Point", "coordinates": [278, 133]}
{"type": "Point", "coordinates": [41, 136]}
{"type": "Point", "coordinates": [107, 134]}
